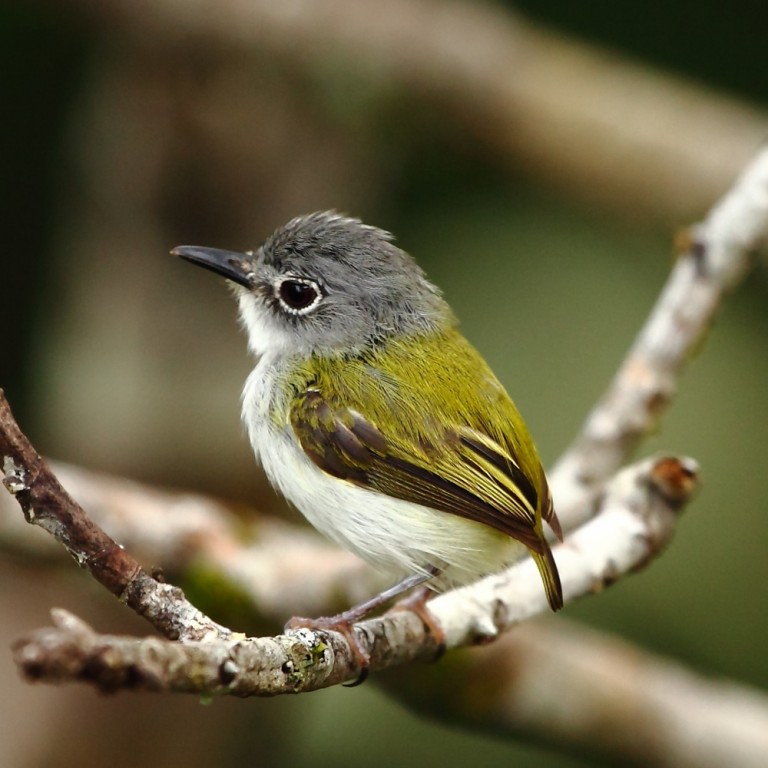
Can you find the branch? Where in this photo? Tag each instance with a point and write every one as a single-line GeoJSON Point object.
{"type": "Point", "coordinates": [636, 520]}
{"type": "Point", "coordinates": [715, 259]}
{"type": "Point", "coordinates": [717, 254]}
{"type": "Point", "coordinates": [531, 667]}
{"type": "Point", "coordinates": [45, 503]}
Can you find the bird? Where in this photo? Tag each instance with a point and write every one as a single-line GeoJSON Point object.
{"type": "Point", "coordinates": [375, 417]}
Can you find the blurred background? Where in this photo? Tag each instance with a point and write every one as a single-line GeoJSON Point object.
{"type": "Point", "coordinates": [536, 158]}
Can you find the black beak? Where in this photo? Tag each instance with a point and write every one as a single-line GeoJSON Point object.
{"type": "Point", "coordinates": [234, 266]}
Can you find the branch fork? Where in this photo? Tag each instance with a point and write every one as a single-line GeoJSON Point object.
{"type": "Point", "coordinates": [617, 519]}
{"type": "Point", "coordinates": [639, 508]}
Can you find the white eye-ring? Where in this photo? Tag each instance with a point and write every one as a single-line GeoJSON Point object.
{"type": "Point", "coordinates": [298, 295]}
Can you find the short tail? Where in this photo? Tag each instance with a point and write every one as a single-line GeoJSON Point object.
{"type": "Point", "coordinates": [551, 578]}
{"type": "Point", "coordinates": [544, 559]}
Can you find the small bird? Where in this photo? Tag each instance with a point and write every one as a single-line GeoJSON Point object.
{"type": "Point", "coordinates": [376, 418]}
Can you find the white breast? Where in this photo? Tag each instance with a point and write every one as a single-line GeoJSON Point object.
{"type": "Point", "coordinates": [393, 535]}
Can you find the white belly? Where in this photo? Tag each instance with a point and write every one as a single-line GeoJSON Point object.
{"type": "Point", "coordinates": [395, 536]}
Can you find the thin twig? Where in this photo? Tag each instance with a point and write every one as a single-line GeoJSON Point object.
{"type": "Point", "coordinates": [45, 503]}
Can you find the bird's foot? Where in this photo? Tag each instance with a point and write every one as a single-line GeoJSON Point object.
{"type": "Point", "coordinates": [344, 624]}
{"type": "Point", "coordinates": [416, 602]}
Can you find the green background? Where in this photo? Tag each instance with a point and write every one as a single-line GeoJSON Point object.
{"type": "Point", "coordinates": [552, 290]}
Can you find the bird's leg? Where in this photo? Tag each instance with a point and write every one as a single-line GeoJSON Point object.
{"type": "Point", "coordinates": [417, 603]}
{"type": "Point", "coordinates": [344, 622]}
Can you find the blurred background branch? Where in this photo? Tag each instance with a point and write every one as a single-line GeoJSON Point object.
{"type": "Point", "coordinates": [594, 695]}
{"type": "Point", "coordinates": [535, 176]}
{"type": "Point", "coordinates": [585, 120]}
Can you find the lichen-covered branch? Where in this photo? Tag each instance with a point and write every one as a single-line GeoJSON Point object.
{"type": "Point", "coordinates": [634, 523]}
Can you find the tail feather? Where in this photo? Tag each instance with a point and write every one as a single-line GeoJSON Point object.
{"type": "Point", "coordinates": [548, 569]}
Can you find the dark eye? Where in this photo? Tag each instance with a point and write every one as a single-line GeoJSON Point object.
{"type": "Point", "coordinates": [298, 296]}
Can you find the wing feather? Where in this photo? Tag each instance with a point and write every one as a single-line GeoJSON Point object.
{"type": "Point", "coordinates": [485, 485]}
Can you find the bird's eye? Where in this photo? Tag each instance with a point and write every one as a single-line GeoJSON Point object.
{"type": "Point", "coordinates": [298, 296]}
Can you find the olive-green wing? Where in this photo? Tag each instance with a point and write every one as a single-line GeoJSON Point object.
{"type": "Point", "coordinates": [485, 484]}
